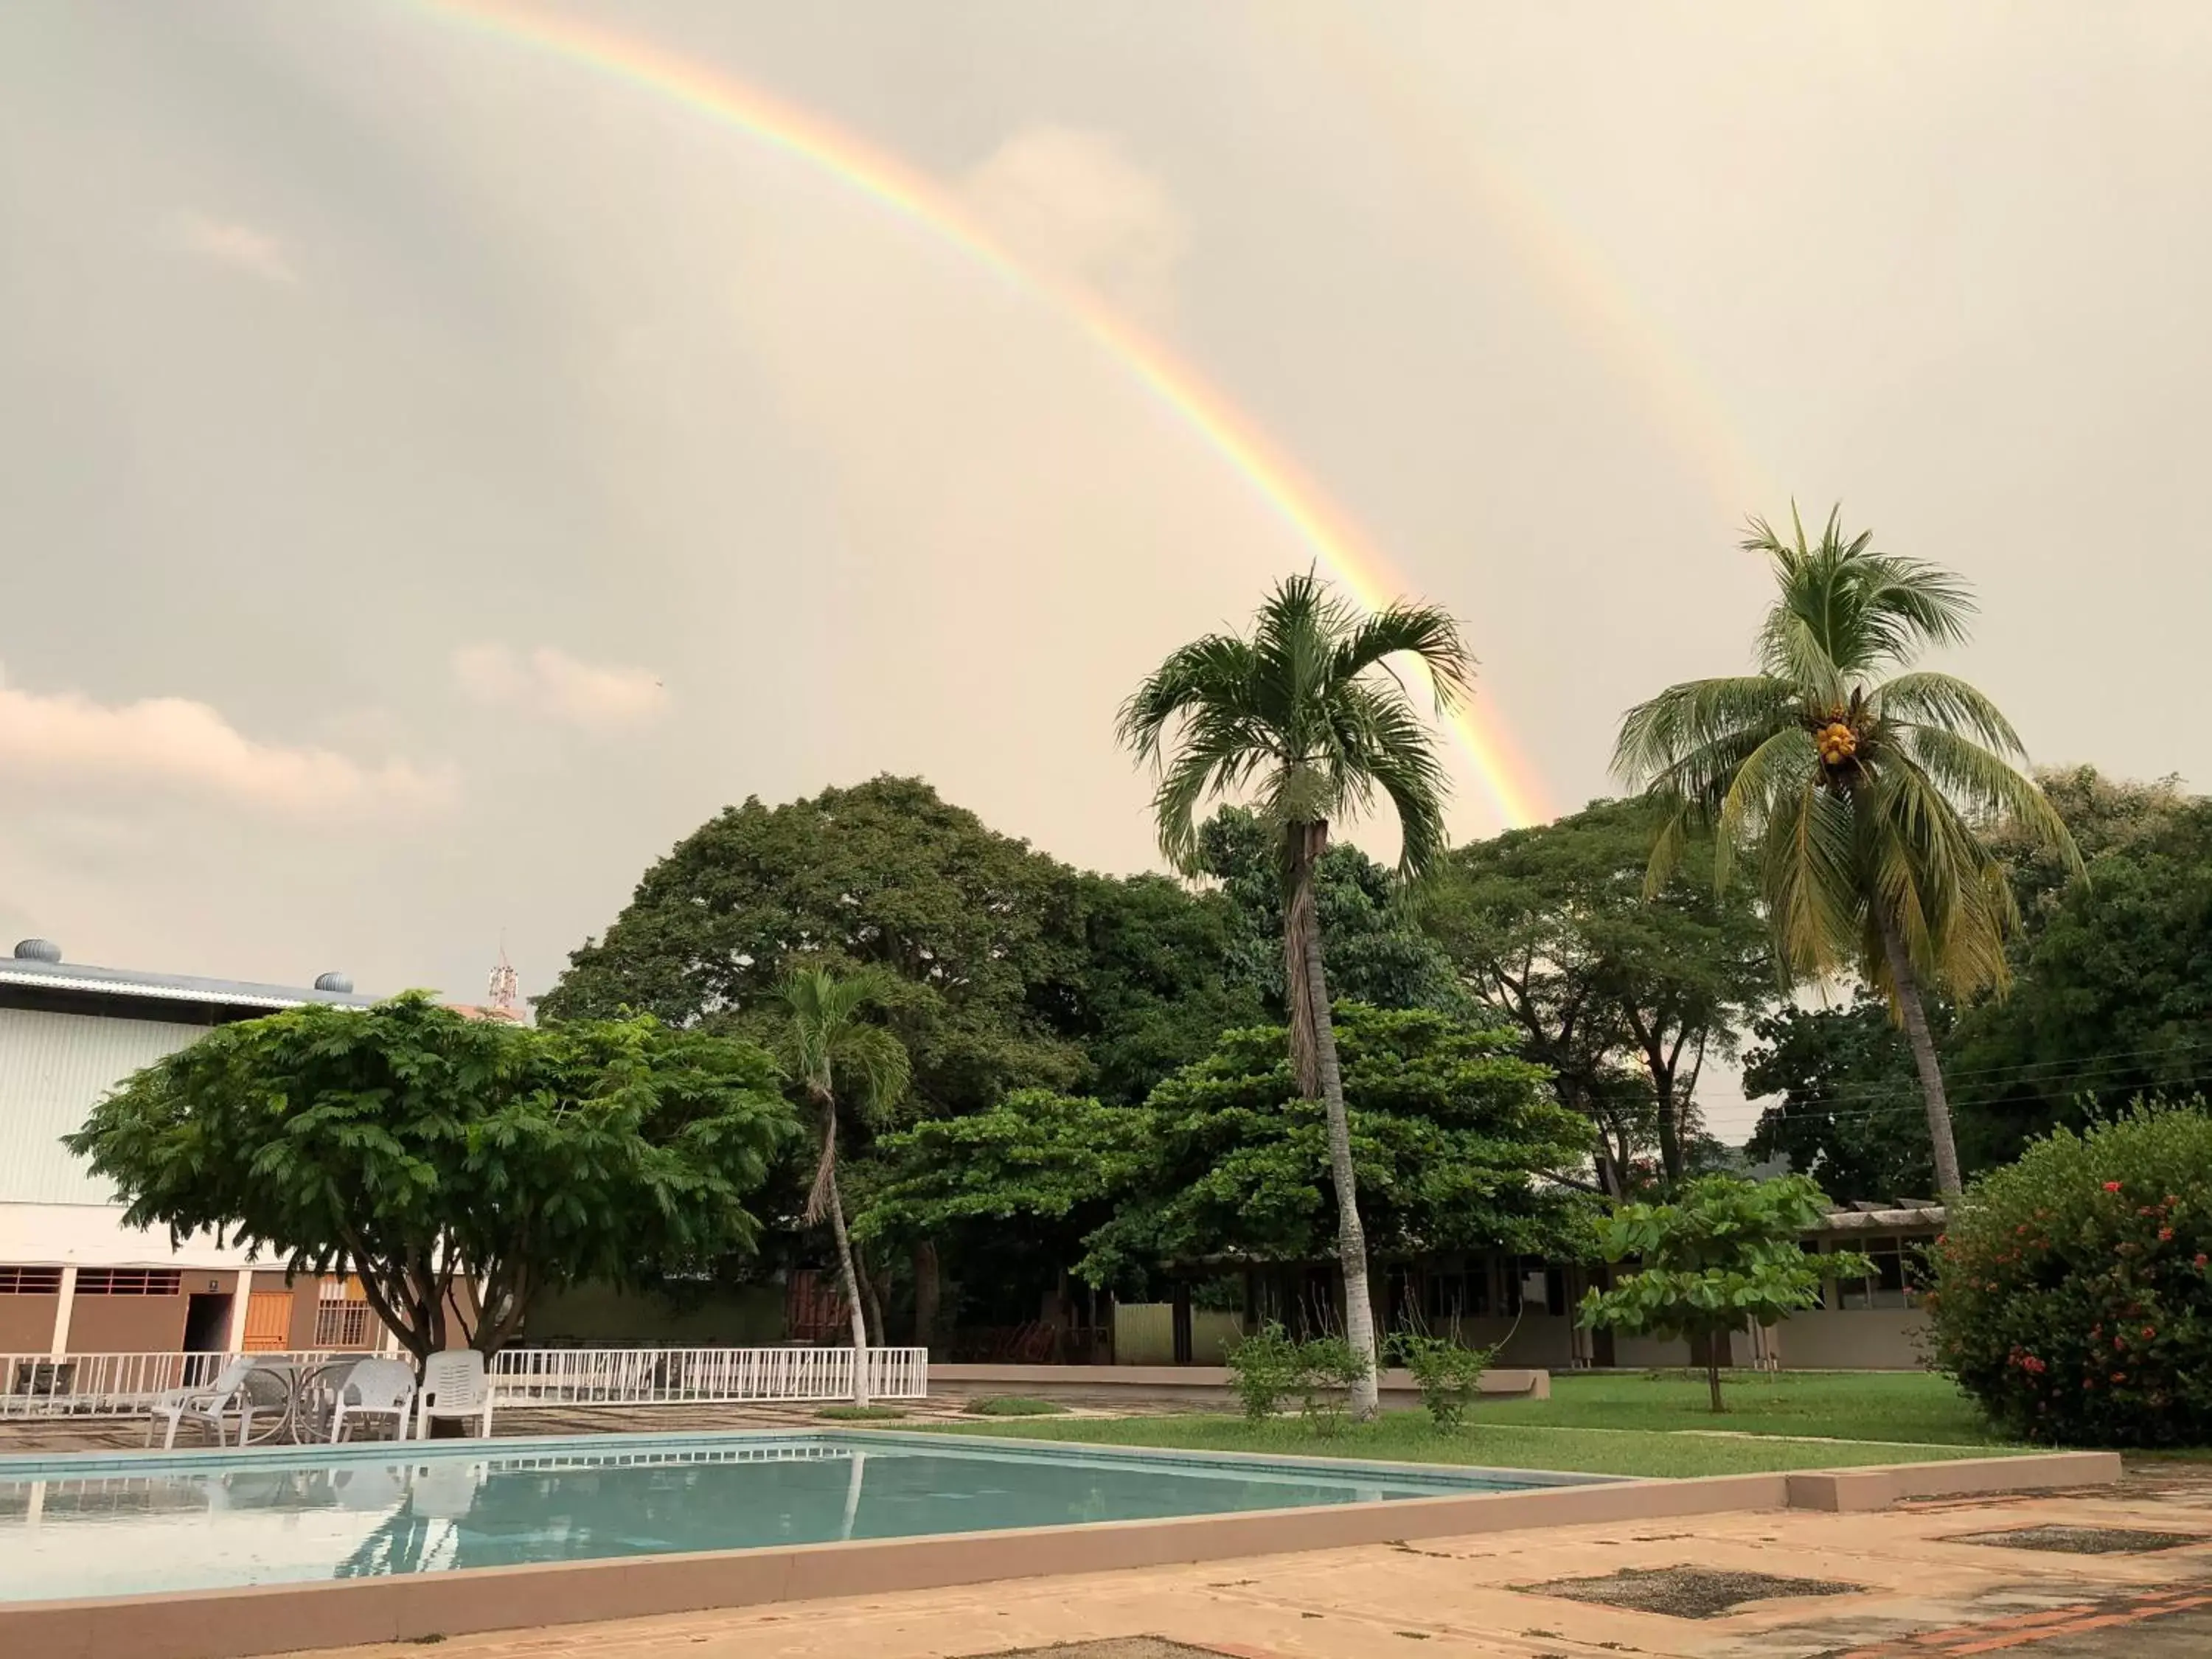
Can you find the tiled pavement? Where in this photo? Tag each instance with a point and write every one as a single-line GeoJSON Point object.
{"type": "Point", "coordinates": [1916, 1592]}
{"type": "Point", "coordinates": [25, 1436]}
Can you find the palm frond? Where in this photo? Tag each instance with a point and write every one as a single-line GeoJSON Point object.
{"type": "Point", "coordinates": [1212, 671]}
{"type": "Point", "coordinates": [1427, 633]}
{"type": "Point", "coordinates": [1656, 736]}
{"type": "Point", "coordinates": [1925, 698]}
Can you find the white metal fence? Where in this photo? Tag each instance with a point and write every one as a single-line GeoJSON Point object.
{"type": "Point", "coordinates": [647, 1377]}
{"type": "Point", "coordinates": [92, 1384]}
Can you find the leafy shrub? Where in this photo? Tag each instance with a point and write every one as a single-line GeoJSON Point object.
{"type": "Point", "coordinates": [1329, 1367]}
{"type": "Point", "coordinates": [1723, 1257]}
{"type": "Point", "coordinates": [1266, 1371]}
{"type": "Point", "coordinates": [1269, 1369]}
{"type": "Point", "coordinates": [1014, 1405]}
{"type": "Point", "coordinates": [858, 1414]}
{"type": "Point", "coordinates": [2073, 1292]}
{"type": "Point", "coordinates": [1447, 1374]}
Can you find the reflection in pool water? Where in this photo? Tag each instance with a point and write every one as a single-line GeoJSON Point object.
{"type": "Point", "coordinates": [100, 1527]}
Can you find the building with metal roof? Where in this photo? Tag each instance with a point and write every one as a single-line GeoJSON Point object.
{"type": "Point", "coordinates": [73, 1278]}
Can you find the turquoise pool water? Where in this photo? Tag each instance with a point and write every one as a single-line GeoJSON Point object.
{"type": "Point", "coordinates": [121, 1525]}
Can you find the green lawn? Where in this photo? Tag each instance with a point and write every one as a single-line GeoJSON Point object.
{"type": "Point", "coordinates": [1909, 1405]}
{"type": "Point", "coordinates": [1652, 1424]}
{"type": "Point", "coordinates": [1407, 1436]}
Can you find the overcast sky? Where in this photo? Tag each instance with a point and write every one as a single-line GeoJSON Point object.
{"type": "Point", "coordinates": [434, 475]}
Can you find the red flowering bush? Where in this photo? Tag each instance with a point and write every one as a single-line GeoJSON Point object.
{"type": "Point", "coordinates": [2073, 1290]}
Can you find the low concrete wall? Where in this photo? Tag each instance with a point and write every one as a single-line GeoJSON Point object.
{"type": "Point", "coordinates": [1201, 1384]}
{"type": "Point", "coordinates": [410, 1607]}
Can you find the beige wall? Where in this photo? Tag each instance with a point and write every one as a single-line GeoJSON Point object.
{"type": "Point", "coordinates": [1144, 1333]}
{"type": "Point", "coordinates": [1853, 1340]}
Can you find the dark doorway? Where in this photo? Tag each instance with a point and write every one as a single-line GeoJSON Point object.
{"type": "Point", "coordinates": [207, 1324]}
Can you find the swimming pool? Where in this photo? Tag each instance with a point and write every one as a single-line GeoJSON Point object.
{"type": "Point", "coordinates": [123, 1524]}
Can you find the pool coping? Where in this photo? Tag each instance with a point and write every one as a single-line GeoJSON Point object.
{"type": "Point", "coordinates": [237, 1622]}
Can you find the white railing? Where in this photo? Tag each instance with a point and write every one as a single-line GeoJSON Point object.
{"type": "Point", "coordinates": [93, 1384]}
{"type": "Point", "coordinates": [654, 1376]}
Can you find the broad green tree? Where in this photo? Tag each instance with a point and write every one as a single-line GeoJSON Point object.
{"type": "Point", "coordinates": [1553, 928]}
{"type": "Point", "coordinates": [1372, 940]}
{"type": "Point", "coordinates": [1723, 1257]}
{"type": "Point", "coordinates": [885, 874]}
{"type": "Point", "coordinates": [458, 1166]}
{"type": "Point", "coordinates": [1850, 1113]}
{"type": "Point", "coordinates": [1453, 1136]}
{"type": "Point", "coordinates": [830, 1048]}
{"type": "Point", "coordinates": [1043, 1168]}
{"type": "Point", "coordinates": [1309, 716]}
{"type": "Point", "coordinates": [1854, 782]}
{"type": "Point", "coordinates": [2113, 996]}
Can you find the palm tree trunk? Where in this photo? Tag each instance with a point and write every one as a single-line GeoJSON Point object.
{"type": "Point", "coordinates": [826, 1194]}
{"type": "Point", "coordinates": [852, 1295]}
{"type": "Point", "coordinates": [1913, 1014]}
{"type": "Point", "coordinates": [1313, 1049]}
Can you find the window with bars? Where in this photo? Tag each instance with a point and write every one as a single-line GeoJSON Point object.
{"type": "Point", "coordinates": [129, 1281]}
{"type": "Point", "coordinates": [341, 1324]}
{"type": "Point", "coordinates": [30, 1281]}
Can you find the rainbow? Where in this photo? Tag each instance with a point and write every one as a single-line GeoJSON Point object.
{"type": "Point", "coordinates": [1504, 773]}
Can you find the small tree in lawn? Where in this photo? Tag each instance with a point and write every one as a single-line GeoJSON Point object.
{"type": "Point", "coordinates": [1723, 1257]}
{"type": "Point", "coordinates": [426, 1151]}
{"type": "Point", "coordinates": [830, 1048]}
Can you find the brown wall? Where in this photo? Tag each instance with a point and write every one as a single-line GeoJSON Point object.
{"type": "Point", "coordinates": [127, 1324]}
{"type": "Point", "coordinates": [26, 1323]}
{"type": "Point", "coordinates": [306, 1296]}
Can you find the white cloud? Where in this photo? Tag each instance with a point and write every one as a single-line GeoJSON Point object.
{"type": "Point", "coordinates": [549, 682]}
{"type": "Point", "coordinates": [236, 245]}
{"type": "Point", "coordinates": [62, 739]}
{"type": "Point", "coordinates": [1074, 203]}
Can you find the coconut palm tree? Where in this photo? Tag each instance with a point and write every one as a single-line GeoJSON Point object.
{"type": "Point", "coordinates": [1307, 717]}
{"type": "Point", "coordinates": [1854, 784]}
{"type": "Point", "coordinates": [828, 1046]}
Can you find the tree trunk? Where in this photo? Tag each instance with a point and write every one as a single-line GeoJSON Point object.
{"type": "Point", "coordinates": [852, 1295]}
{"type": "Point", "coordinates": [1912, 1014]}
{"type": "Point", "coordinates": [1313, 1050]}
{"type": "Point", "coordinates": [872, 1294]}
{"type": "Point", "coordinates": [1713, 1372]}
{"type": "Point", "coordinates": [826, 1195]}
{"type": "Point", "coordinates": [927, 1291]}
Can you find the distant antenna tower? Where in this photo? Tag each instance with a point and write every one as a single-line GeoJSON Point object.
{"type": "Point", "coordinates": [505, 985]}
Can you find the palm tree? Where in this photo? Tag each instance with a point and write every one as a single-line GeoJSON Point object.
{"type": "Point", "coordinates": [1855, 795]}
{"type": "Point", "coordinates": [1307, 716]}
{"type": "Point", "coordinates": [826, 1046]}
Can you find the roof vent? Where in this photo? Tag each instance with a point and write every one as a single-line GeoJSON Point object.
{"type": "Point", "coordinates": [338, 983]}
{"type": "Point", "coordinates": [38, 950]}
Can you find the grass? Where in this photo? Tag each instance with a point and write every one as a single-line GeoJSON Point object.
{"type": "Point", "coordinates": [1908, 1406]}
{"type": "Point", "coordinates": [1409, 1438]}
{"type": "Point", "coordinates": [1013, 1405]}
{"type": "Point", "coordinates": [1649, 1424]}
{"type": "Point", "coordinates": [860, 1413]}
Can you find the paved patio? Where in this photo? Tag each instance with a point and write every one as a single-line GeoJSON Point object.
{"type": "Point", "coordinates": [25, 1436]}
{"type": "Point", "coordinates": [1911, 1588]}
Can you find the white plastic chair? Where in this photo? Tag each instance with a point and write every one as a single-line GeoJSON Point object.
{"type": "Point", "coordinates": [375, 1387]}
{"type": "Point", "coordinates": [453, 1385]}
{"type": "Point", "coordinates": [224, 1398]}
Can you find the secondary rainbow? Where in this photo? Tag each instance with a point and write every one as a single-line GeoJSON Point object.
{"type": "Point", "coordinates": [1504, 773]}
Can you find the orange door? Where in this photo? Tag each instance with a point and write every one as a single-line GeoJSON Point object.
{"type": "Point", "coordinates": [268, 1322]}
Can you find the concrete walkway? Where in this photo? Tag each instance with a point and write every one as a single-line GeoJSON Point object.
{"type": "Point", "coordinates": [1895, 1583]}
